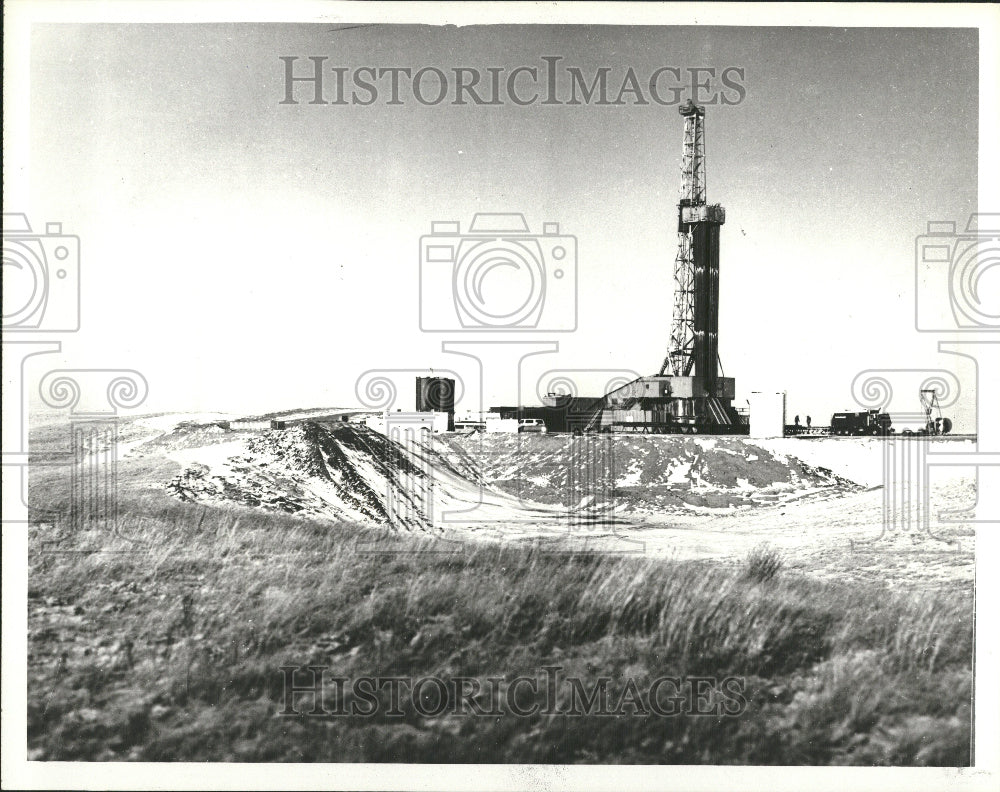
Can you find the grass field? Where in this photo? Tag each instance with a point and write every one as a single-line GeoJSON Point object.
{"type": "Point", "coordinates": [165, 641]}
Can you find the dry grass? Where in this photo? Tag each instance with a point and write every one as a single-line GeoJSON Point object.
{"type": "Point", "coordinates": [165, 643]}
{"type": "Point", "coordinates": [763, 563]}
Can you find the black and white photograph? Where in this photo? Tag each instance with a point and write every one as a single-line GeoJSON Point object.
{"type": "Point", "coordinates": [501, 396]}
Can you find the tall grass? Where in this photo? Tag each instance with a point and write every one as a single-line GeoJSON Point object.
{"type": "Point", "coordinates": [763, 563]}
{"type": "Point", "coordinates": [190, 612]}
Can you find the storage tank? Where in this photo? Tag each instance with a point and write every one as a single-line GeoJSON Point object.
{"type": "Point", "coordinates": [437, 394]}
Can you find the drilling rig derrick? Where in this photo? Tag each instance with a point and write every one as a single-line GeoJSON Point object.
{"type": "Point", "coordinates": [687, 395]}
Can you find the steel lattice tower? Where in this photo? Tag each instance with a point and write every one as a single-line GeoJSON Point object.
{"type": "Point", "coordinates": [693, 348]}
{"type": "Point", "coordinates": [688, 396]}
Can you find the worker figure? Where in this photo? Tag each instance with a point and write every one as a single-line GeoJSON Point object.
{"type": "Point", "coordinates": [797, 422]}
{"type": "Point", "coordinates": [809, 422]}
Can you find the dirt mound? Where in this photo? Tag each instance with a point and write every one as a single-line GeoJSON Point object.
{"type": "Point", "coordinates": [300, 470]}
{"type": "Point", "coordinates": [349, 472]}
{"type": "Point", "coordinates": [649, 472]}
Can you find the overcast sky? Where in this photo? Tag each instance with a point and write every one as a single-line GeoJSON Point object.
{"type": "Point", "coordinates": [249, 255]}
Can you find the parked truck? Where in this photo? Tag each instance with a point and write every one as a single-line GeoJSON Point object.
{"type": "Point", "coordinates": [865, 422]}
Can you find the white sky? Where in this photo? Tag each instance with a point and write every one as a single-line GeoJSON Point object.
{"type": "Point", "coordinates": [247, 256]}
